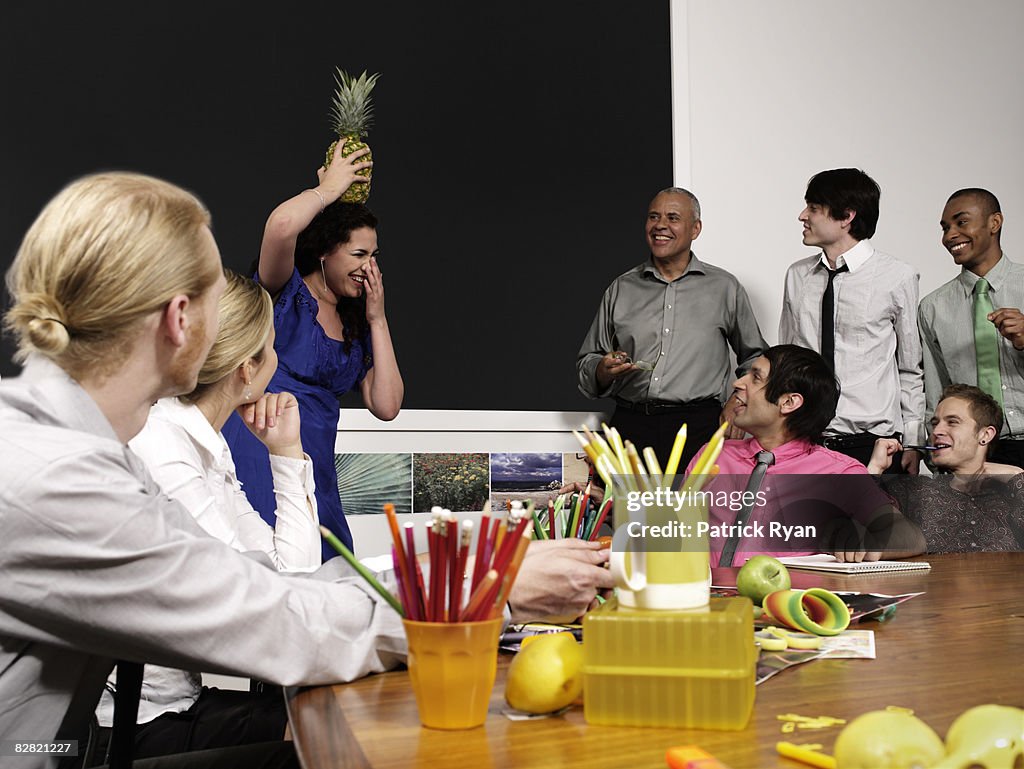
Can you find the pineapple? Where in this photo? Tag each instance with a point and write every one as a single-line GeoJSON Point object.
{"type": "Point", "coordinates": [351, 115]}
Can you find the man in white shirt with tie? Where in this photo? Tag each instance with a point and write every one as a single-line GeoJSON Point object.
{"type": "Point", "coordinates": [855, 306]}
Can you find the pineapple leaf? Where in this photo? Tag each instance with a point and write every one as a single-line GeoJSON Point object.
{"type": "Point", "coordinates": [352, 108]}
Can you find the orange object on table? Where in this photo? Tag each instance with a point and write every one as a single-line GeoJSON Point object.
{"type": "Point", "coordinates": [692, 757]}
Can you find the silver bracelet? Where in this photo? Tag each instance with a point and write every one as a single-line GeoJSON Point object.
{"type": "Point", "coordinates": [316, 192]}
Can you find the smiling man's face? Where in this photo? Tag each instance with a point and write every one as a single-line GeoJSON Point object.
{"type": "Point", "coordinates": [969, 233]}
{"type": "Point", "coordinates": [671, 227]}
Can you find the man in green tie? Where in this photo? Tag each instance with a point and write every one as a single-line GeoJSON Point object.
{"type": "Point", "coordinates": [972, 327]}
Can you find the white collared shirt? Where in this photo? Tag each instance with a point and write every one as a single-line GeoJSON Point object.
{"type": "Point", "coordinates": [192, 463]}
{"type": "Point", "coordinates": [878, 349]}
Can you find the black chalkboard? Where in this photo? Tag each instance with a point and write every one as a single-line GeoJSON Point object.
{"type": "Point", "coordinates": [516, 148]}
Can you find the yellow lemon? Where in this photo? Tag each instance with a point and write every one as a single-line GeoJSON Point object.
{"type": "Point", "coordinates": [883, 738]}
{"type": "Point", "coordinates": [546, 675]}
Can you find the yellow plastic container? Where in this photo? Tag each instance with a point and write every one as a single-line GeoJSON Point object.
{"type": "Point", "coordinates": [692, 669]}
{"type": "Point", "coordinates": [452, 666]}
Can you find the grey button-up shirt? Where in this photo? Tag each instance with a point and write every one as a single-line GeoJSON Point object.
{"type": "Point", "coordinates": [96, 564]}
{"type": "Point", "coordinates": [685, 327]}
{"type": "Point", "coordinates": [878, 348]}
{"type": "Point", "coordinates": [946, 317]}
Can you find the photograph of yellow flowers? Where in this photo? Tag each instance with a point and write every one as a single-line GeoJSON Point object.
{"type": "Point", "coordinates": [367, 481]}
{"type": "Point", "coordinates": [458, 482]}
{"type": "Point", "coordinates": [524, 478]}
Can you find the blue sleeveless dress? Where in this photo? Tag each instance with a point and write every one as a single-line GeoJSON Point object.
{"type": "Point", "coordinates": [317, 371]}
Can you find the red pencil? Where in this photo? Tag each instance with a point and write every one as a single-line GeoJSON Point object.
{"type": "Point", "coordinates": [498, 537]}
{"type": "Point", "coordinates": [433, 552]}
{"type": "Point", "coordinates": [511, 543]}
{"type": "Point", "coordinates": [452, 557]}
{"type": "Point", "coordinates": [607, 506]}
{"type": "Point", "coordinates": [459, 576]}
{"type": "Point", "coordinates": [401, 574]}
{"type": "Point", "coordinates": [401, 586]}
{"type": "Point", "coordinates": [415, 607]}
{"type": "Point", "coordinates": [512, 572]}
{"type": "Point", "coordinates": [476, 601]}
{"type": "Point", "coordinates": [583, 511]}
{"type": "Point", "coordinates": [478, 563]}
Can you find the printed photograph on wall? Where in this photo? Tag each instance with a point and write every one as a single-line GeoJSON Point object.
{"type": "Point", "coordinates": [366, 482]}
{"type": "Point", "coordinates": [524, 478]}
{"type": "Point", "coordinates": [575, 468]}
{"type": "Point", "coordinates": [457, 482]}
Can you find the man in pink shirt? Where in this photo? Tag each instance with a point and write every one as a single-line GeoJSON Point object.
{"type": "Point", "coordinates": [785, 401]}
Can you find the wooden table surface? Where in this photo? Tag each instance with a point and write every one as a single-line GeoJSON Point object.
{"type": "Point", "coordinates": [960, 644]}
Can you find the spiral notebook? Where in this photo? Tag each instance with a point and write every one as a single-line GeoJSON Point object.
{"type": "Point", "coordinates": [824, 562]}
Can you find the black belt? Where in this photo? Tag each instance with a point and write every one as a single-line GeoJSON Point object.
{"type": "Point", "coordinates": [649, 408]}
{"type": "Point", "coordinates": [855, 441]}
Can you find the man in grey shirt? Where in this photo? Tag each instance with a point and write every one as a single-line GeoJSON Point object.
{"type": "Point", "coordinates": [972, 223]}
{"type": "Point", "coordinates": [659, 344]}
{"type": "Point", "coordinates": [115, 291]}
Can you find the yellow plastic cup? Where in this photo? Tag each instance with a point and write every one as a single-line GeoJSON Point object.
{"type": "Point", "coordinates": [452, 666]}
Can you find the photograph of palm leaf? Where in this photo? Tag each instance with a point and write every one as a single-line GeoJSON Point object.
{"type": "Point", "coordinates": [367, 481]}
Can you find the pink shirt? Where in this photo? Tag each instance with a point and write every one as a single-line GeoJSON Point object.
{"type": "Point", "coordinates": [797, 457]}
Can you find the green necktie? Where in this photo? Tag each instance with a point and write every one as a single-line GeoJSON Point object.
{"type": "Point", "coordinates": [986, 343]}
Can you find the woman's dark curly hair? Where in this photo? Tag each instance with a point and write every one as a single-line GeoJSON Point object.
{"type": "Point", "coordinates": [332, 227]}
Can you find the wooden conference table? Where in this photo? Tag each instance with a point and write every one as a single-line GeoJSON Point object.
{"type": "Point", "coordinates": [960, 644]}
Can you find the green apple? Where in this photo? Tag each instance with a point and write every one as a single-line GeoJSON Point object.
{"type": "Point", "coordinates": [546, 675]}
{"type": "Point", "coordinates": [760, 576]}
{"type": "Point", "coordinates": [890, 739]}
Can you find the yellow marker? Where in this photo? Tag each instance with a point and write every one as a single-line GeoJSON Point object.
{"type": "Point", "coordinates": [703, 479]}
{"type": "Point", "coordinates": [652, 465]}
{"type": "Point", "coordinates": [712, 450]}
{"type": "Point", "coordinates": [707, 458]}
{"type": "Point", "coordinates": [805, 754]}
{"type": "Point", "coordinates": [605, 469]}
{"type": "Point", "coordinates": [677, 452]}
{"type": "Point", "coordinates": [637, 466]}
{"type": "Point", "coordinates": [600, 444]}
{"type": "Point", "coordinates": [589, 450]}
{"type": "Point", "coordinates": [620, 450]}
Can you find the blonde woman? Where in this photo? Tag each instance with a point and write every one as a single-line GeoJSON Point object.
{"type": "Point", "coordinates": [183, 449]}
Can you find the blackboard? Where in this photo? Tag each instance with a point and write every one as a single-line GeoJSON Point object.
{"type": "Point", "coordinates": [516, 147]}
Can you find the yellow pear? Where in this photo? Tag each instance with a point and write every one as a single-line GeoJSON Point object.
{"type": "Point", "coordinates": [545, 675]}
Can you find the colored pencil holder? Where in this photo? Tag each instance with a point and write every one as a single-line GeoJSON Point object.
{"type": "Point", "coordinates": [452, 666]}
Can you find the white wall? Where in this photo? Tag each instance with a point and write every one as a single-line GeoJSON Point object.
{"type": "Point", "coordinates": [924, 95]}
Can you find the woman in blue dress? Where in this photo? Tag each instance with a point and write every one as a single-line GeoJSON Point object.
{"type": "Point", "coordinates": [318, 261]}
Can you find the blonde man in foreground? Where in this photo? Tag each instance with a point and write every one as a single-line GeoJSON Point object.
{"type": "Point", "coordinates": [115, 292]}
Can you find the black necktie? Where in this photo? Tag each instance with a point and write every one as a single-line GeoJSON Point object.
{"type": "Point", "coordinates": [828, 328]}
{"type": "Point", "coordinates": [764, 460]}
